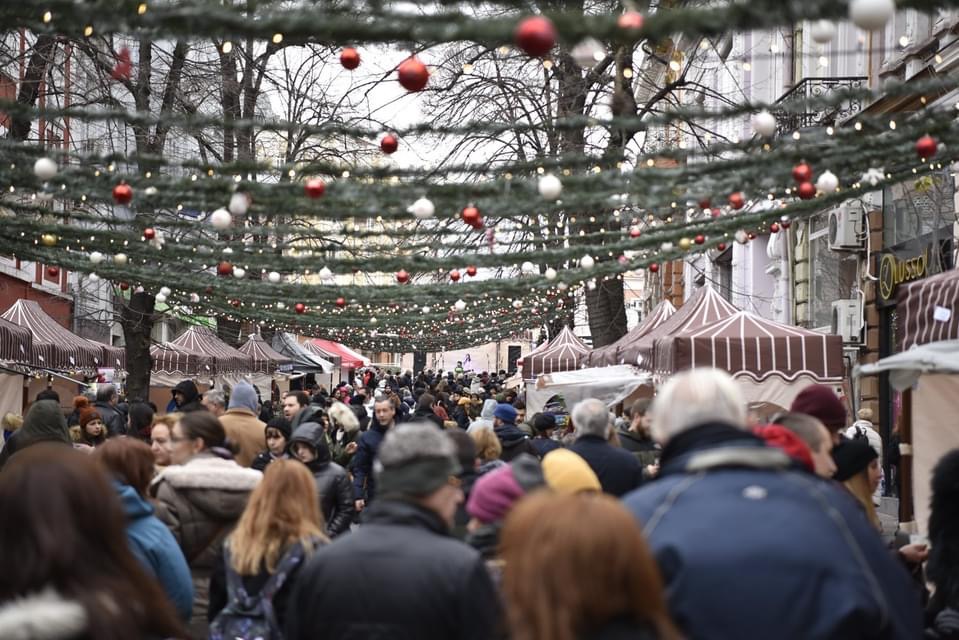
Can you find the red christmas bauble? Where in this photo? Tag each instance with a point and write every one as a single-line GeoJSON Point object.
{"type": "Point", "coordinates": [455, 275]}
{"type": "Point", "coordinates": [654, 268]}
{"type": "Point", "coordinates": [53, 272]}
{"type": "Point", "coordinates": [631, 21]}
{"type": "Point", "coordinates": [721, 247]}
{"type": "Point", "coordinates": [299, 307]}
{"type": "Point", "coordinates": [402, 276]}
{"type": "Point", "coordinates": [224, 268]}
{"type": "Point", "coordinates": [535, 35]}
{"type": "Point", "coordinates": [926, 147]}
{"type": "Point", "coordinates": [413, 74]}
{"type": "Point", "coordinates": [716, 212]}
{"type": "Point", "coordinates": [471, 216]}
{"type": "Point", "coordinates": [802, 172]}
{"type": "Point", "coordinates": [736, 200]}
{"type": "Point", "coordinates": [634, 232]}
{"type": "Point", "coordinates": [389, 143]}
{"type": "Point", "coordinates": [751, 235]}
{"type": "Point", "coordinates": [700, 239]}
{"type": "Point", "coordinates": [341, 302]}
{"type": "Point", "coordinates": [786, 224]}
{"type": "Point", "coordinates": [124, 286]}
{"type": "Point", "coordinates": [350, 58]}
{"type": "Point", "coordinates": [704, 203]}
{"type": "Point", "coordinates": [149, 233]}
{"type": "Point", "coordinates": [235, 303]}
{"type": "Point", "coordinates": [774, 227]}
{"type": "Point", "coordinates": [806, 191]}
{"type": "Point", "coordinates": [471, 271]}
{"type": "Point", "coordinates": [314, 187]}
{"type": "Point", "coordinates": [122, 194]}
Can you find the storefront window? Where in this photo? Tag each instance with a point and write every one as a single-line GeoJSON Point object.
{"type": "Point", "coordinates": [832, 274]}
{"type": "Point", "coordinates": [913, 209]}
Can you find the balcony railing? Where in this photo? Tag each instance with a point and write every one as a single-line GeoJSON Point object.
{"type": "Point", "coordinates": [828, 115]}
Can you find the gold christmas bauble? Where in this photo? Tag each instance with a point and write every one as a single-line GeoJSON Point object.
{"type": "Point", "coordinates": [48, 240]}
{"type": "Point", "coordinates": [685, 244]}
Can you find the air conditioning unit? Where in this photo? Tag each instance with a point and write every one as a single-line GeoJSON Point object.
{"type": "Point", "coordinates": [847, 320]}
{"type": "Point", "coordinates": [846, 228]}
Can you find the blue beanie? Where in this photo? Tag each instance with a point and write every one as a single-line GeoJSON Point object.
{"type": "Point", "coordinates": [244, 397]}
{"type": "Point", "coordinates": [505, 412]}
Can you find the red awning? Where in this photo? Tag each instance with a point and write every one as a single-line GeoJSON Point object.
{"type": "Point", "coordinates": [349, 358]}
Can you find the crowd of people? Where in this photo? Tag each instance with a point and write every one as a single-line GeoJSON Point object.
{"type": "Point", "coordinates": [433, 506]}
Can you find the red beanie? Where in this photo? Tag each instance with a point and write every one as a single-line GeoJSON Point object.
{"type": "Point", "coordinates": [783, 438]}
{"type": "Point", "coordinates": [89, 414]}
{"type": "Point", "coordinates": [821, 402]}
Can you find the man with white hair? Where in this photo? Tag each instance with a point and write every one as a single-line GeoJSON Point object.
{"type": "Point", "coordinates": [215, 402]}
{"type": "Point", "coordinates": [749, 548]}
{"type": "Point", "coordinates": [619, 471]}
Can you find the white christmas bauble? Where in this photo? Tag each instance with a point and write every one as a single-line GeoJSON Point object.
{"type": "Point", "coordinates": [588, 52]}
{"type": "Point", "coordinates": [165, 291]}
{"type": "Point", "coordinates": [871, 15]}
{"type": "Point", "coordinates": [422, 209]}
{"type": "Point", "coordinates": [373, 320]}
{"type": "Point", "coordinates": [550, 273]}
{"type": "Point", "coordinates": [822, 31]}
{"type": "Point", "coordinates": [274, 277]}
{"type": "Point", "coordinates": [326, 274]}
{"type": "Point", "coordinates": [96, 257]}
{"type": "Point", "coordinates": [45, 168]}
{"type": "Point", "coordinates": [120, 259]}
{"type": "Point", "coordinates": [239, 273]}
{"type": "Point", "coordinates": [160, 298]}
{"type": "Point", "coordinates": [221, 219]}
{"type": "Point", "coordinates": [764, 124]}
{"type": "Point", "coordinates": [227, 251]}
{"type": "Point", "coordinates": [280, 306]}
{"type": "Point", "coordinates": [459, 305]}
{"type": "Point", "coordinates": [527, 268]}
{"type": "Point", "coordinates": [94, 277]}
{"type": "Point", "coordinates": [239, 204]}
{"type": "Point", "coordinates": [666, 247]}
{"type": "Point", "coordinates": [517, 304]}
{"type": "Point", "coordinates": [742, 237]}
{"type": "Point", "coordinates": [425, 310]}
{"type": "Point", "coordinates": [550, 187]}
{"type": "Point", "coordinates": [150, 191]}
{"type": "Point", "coordinates": [587, 262]}
{"type": "Point", "coordinates": [828, 182]}
{"type": "Point", "coordinates": [194, 297]}
{"type": "Point", "coordinates": [562, 286]}
{"type": "Point", "coordinates": [591, 284]}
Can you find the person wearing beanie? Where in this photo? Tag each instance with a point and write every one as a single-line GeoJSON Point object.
{"type": "Point", "coordinates": [782, 438]}
{"type": "Point", "coordinates": [511, 437]}
{"type": "Point", "coordinates": [242, 425]}
{"type": "Point", "coordinates": [92, 429]}
{"type": "Point", "coordinates": [543, 425]}
{"type": "Point", "coordinates": [44, 422]}
{"type": "Point", "coordinates": [863, 429]}
{"type": "Point", "coordinates": [822, 403]}
{"type": "Point", "coordinates": [857, 467]}
{"type": "Point", "coordinates": [277, 433]}
{"type": "Point", "coordinates": [79, 402]}
{"type": "Point", "coordinates": [567, 472]}
{"type": "Point", "coordinates": [416, 580]}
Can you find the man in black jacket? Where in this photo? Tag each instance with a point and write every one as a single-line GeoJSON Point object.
{"type": "Point", "coordinates": [618, 470]}
{"type": "Point", "coordinates": [400, 575]}
{"type": "Point", "coordinates": [106, 406]}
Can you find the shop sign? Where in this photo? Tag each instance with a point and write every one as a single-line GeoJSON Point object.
{"type": "Point", "coordinates": [897, 267]}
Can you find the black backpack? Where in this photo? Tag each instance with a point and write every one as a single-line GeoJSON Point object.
{"type": "Point", "coordinates": [251, 617]}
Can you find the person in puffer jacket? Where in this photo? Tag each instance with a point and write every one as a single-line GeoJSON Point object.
{"type": "Point", "coordinates": [344, 433]}
{"type": "Point", "coordinates": [309, 446]}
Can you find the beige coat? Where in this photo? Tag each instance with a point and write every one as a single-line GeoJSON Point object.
{"type": "Point", "coordinates": [247, 431]}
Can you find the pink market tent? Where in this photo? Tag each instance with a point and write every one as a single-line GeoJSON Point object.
{"type": "Point", "coordinates": [350, 358]}
{"type": "Point", "coordinates": [54, 347]}
{"type": "Point", "coordinates": [265, 358]}
{"type": "Point", "coordinates": [609, 355]}
{"type": "Point", "coordinates": [703, 307]}
{"type": "Point", "coordinates": [565, 352]}
{"type": "Point", "coordinates": [225, 358]}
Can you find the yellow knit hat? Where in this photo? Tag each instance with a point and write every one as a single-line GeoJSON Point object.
{"type": "Point", "coordinates": [567, 472]}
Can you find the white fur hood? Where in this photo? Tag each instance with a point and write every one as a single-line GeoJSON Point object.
{"type": "Point", "coordinates": [342, 415]}
{"type": "Point", "coordinates": [210, 472]}
{"type": "Point", "coordinates": [42, 616]}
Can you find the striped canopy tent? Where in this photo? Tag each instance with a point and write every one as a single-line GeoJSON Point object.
{"type": "Point", "coordinates": [319, 351]}
{"type": "Point", "coordinates": [349, 359]}
{"type": "Point", "coordinates": [705, 306]}
{"type": "Point", "coordinates": [609, 355]}
{"type": "Point", "coordinates": [16, 344]}
{"type": "Point", "coordinates": [54, 347]}
{"type": "Point", "coordinates": [304, 360]}
{"type": "Point", "coordinates": [113, 357]}
{"type": "Point", "coordinates": [928, 310]}
{"type": "Point", "coordinates": [173, 360]}
{"type": "Point", "coordinates": [748, 345]}
{"type": "Point", "coordinates": [265, 358]}
{"type": "Point", "coordinates": [225, 358]}
{"type": "Point", "coordinates": [565, 352]}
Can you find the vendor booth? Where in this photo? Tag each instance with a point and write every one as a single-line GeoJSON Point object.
{"type": "Point", "coordinates": [612, 385]}
{"type": "Point", "coordinates": [565, 352]}
{"type": "Point", "coordinates": [609, 355]}
{"type": "Point", "coordinates": [173, 364]}
{"type": "Point", "coordinates": [349, 359]}
{"type": "Point", "coordinates": [268, 365]}
{"type": "Point", "coordinates": [16, 348]}
{"type": "Point", "coordinates": [229, 365]}
{"type": "Point", "coordinates": [304, 361]}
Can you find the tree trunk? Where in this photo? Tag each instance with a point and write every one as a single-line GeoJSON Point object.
{"type": "Point", "coordinates": [607, 312]}
{"type": "Point", "coordinates": [137, 318]}
{"type": "Point", "coordinates": [43, 51]}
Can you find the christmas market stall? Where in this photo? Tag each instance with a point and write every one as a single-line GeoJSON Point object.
{"type": "Point", "coordinates": [609, 355]}
{"type": "Point", "coordinates": [16, 349]}
{"type": "Point", "coordinates": [174, 363]}
{"type": "Point", "coordinates": [229, 365]}
{"type": "Point", "coordinates": [268, 365]}
{"type": "Point", "coordinates": [612, 385]}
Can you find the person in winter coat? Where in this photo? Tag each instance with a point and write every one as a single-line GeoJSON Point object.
{"type": "Point", "coordinates": [187, 397]}
{"type": "Point", "coordinates": [772, 532]}
{"type": "Point", "coordinates": [161, 440]}
{"type": "Point", "coordinates": [485, 421]}
{"type": "Point", "coordinates": [308, 445]}
{"type": "Point", "coordinates": [636, 437]}
{"type": "Point", "coordinates": [942, 569]}
{"type": "Point", "coordinates": [10, 423]}
{"type": "Point", "coordinates": [44, 422]}
{"type": "Point", "coordinates": [863, 429]}
{"type": "Point", "coordinates": [543, 425]}
{"type": "Point", "coordinates": [618, 470]}
{"type": "Point", "coordinates": [857, 467]}
{"type": "Point", "coordinates": [513, 441]}
{"type": "Point", "coordinates": [106, 405]}
{"type": "Point", "coordinates": [241, 424]}
{"type": "Point", "coordinates": [343, 433]}
{"type": "Point", "coordinates": [488, 451]}
{"type": "Point", "coordinates": [79, 403]}
{"type": "Point", "coordinates": [425, 410]}
{"type": "Point", "coordinates": [562, 553]}
{"type": "Point", "coordinates": [283, 513]}
{"type": "Point", "coordinates": [277, 434]}
{"type": "Point", "coordinates": [200, 498]}
{"type": "Point", "coordinates": [140, 420]}
{"type": "Point", "coordinates": [364, 484]}
{"type": "Point", "coordinates": [67, 569]}
{"type": "Point", "coordinates": [416, 581]}
{"type": "Point", "coordinates": [815, 435]}
{"type": "Point", "coordinates": [92, 429]}
{"type": "Point", "coordinates": [129, 463]}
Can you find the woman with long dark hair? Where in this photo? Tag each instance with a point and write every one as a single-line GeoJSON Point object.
{"type": "Point", "coordinates": [66, 571]}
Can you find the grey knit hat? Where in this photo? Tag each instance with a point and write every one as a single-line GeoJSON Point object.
{"type": "Point", "coordinates": [415, 459]}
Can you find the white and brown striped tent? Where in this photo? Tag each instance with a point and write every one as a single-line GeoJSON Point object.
{"type": "Point", "coordinates": [565, 352]}
{"type": "Point", "coordinates": [225, 359]}
{"type": "Point", "coordinates": [173, 360]}
{"type": "Point", "coordinates": [112, 357]}
{"type": "Point", "coordinates": [928, 310]}
{"type": "Point", "coordinates": [609, 355]}
{"type": "Point", "coordinates": [54, 347]}
{"type": "Point", "coordinates": [265, 358]}
{"type": "Point", "coordinates": [16, 344]}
